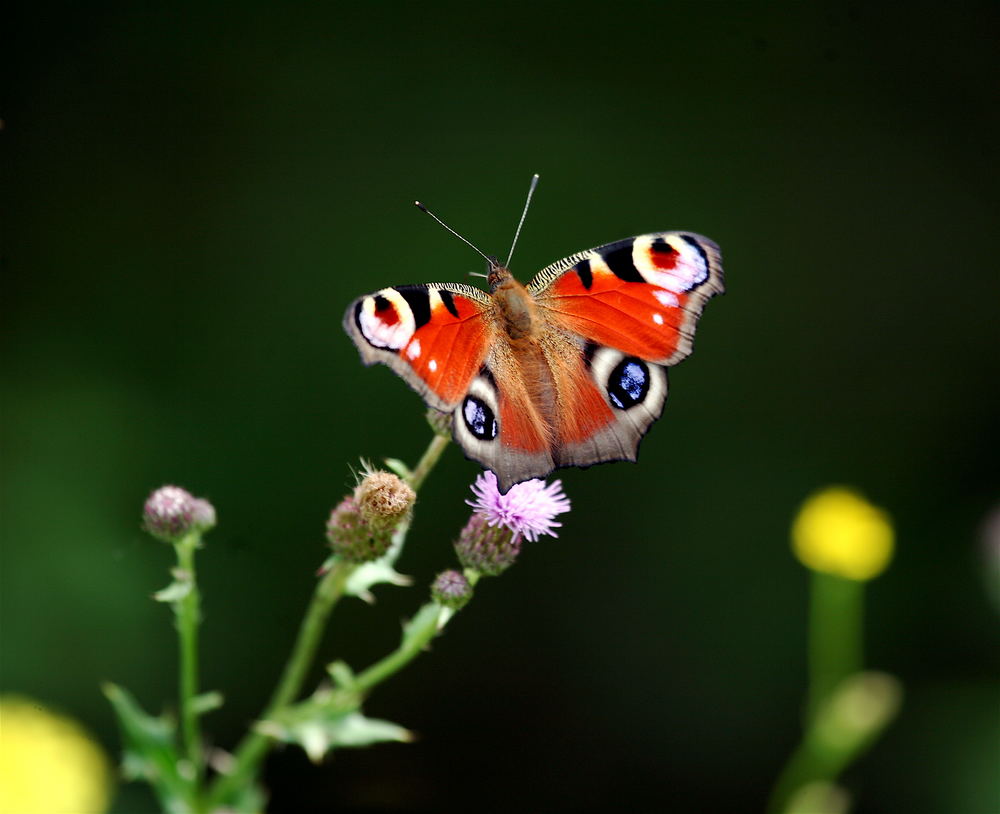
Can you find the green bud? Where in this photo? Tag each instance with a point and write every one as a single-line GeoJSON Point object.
{"type": "Point", "coordinates": [350, 535]}
{"type": "Point", "coordinates": [451, 589]}
{"type": "Point", "coordinates": [490, 550]}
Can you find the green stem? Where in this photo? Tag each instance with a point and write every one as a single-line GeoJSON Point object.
{"type": "Point", "coordinates": [422, 628]}
{"type": "Point", "coordinates": [255, 745]}
{"type": "Point", "coordinates": [835, 635]}
{"type": "Point", "coordinates": [188, 611]}
{"type": "Point", "coordinates": [836, 610]}
{"type": "Point", "coordinates": [845, 725]}
{"type": "Point", "coordinates": [430, 458]}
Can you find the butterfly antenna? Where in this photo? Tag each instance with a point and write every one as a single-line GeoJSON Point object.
{"type": "Point", "coordinates": [423, 208]}
{"type": "Point", "coordinates": [527, 203]}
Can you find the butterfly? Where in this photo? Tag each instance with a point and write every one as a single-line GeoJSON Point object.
{"type": "Point", "coordinates": [569, 370]}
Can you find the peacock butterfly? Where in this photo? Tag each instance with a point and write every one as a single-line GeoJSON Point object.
{"type": "Point", "coordinates": [569, 370]}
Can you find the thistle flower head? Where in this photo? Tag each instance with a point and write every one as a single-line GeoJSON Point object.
{"type": "Point", "coordinates": [528, 509]}
{"type": "Point", "coordinates": [491, 540]}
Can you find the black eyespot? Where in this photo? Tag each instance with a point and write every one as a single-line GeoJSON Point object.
{"type": "Point", "coordinates": [628, 383]}
{"type": "Point", "coordinates": [479, 418]}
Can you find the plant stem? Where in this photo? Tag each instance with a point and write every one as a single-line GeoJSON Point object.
{"type": "Point", "coordinates": [188, 611]}
{"type": "Point", "coordinates": [835, 635]}
{"type": "Point", "coordinates": [427, 462]}
{"type": "Point", "coordinates": [422, 628]}
{"type": "Point", "coordinates": [255, 745]}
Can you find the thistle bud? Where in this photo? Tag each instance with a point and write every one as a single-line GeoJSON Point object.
{"type": "Point", "coordinates": [490, 550]}
{"type": "Point", "coordinates": [169, 513]}
{"type": "Point", "coordinates": [203, 514]}
{"type": "Point", "coordinates": [451, 589]}
{"type": "Point", "coordinates": [350, 535]}
{"type": "Point", "coordinates": [384, 500]}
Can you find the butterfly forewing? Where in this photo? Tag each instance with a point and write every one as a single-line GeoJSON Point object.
{"type": "Point", "coordinates": [642, 296]}
{"type": "Point", "coordinates": [435, 336]}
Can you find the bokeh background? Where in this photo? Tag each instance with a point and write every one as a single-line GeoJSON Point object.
{"type": "Point", "coordinates": [194, 192]}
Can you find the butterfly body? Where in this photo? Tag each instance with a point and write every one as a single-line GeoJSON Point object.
{"type": "Point", "coordinates": [569, 370]}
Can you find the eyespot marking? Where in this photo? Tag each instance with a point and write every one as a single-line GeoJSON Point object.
{"type": "Point", "coordinates": [385, 319]}
{"type": "Point", "coordinates": [702, 272]}
{"type": "Point", "coordinates": [479, 418]}
{"type": "Point", "coordinates": [385, 311]}
{"type": "Point", "coordinates": [628, 383]}
{"type": "Point", "coordinates": [662, 254]}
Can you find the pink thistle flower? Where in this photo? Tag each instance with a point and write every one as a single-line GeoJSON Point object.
{"type": "Point", "coordinates": [528, 509]}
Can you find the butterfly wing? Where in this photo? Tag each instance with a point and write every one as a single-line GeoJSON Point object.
{"type": "Point", "coordinates": [435, 336]}
{"type": "Point", "coordinates": [631, 307]}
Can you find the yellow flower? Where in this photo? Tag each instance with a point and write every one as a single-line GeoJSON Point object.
{"type": "Point", "coordinates": [48, 764]}
{"type": "Point", "coordinates": [838, 532]}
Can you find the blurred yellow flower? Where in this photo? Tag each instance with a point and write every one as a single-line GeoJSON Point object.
{"type": "Point", "coordinates": [48, 764]}
{"type": "Point", "coordinates": [838, 532]}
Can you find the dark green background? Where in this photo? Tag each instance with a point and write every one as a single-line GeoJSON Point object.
{"type": "Point", "coordinates": [193, 195]}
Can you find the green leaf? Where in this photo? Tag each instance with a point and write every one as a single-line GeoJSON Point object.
{"type": "Point", "coordinates": [247, 799]}
{"type": "Point", "coordinates": [398, 467]}
{"type": "Point", "coordinates": [174, 592]}
{"type": "Point", "coordinates": [341, 673]}
{"type": "Point", "coordinates": [207, 701]}
{"type": "Point", "coordinates": [379, 571]}
{"type": "Point", "coordinates": [150, 751]}
{"type": "Point", "coordinates": [330, 719]}
{"type": "Point", "coordinates": [370, 574]}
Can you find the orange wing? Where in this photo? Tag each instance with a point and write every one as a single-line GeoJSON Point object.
{"type": "Point", "coordinates": [641, 296]}
{"type": "Point", "coordinates": [435, 336]}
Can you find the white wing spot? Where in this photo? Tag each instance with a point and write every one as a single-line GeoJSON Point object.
{"type": "Point", "coordinates": [413, 352]}
{"type": "Point", "coordinates": [433, 365]}
{"type": "Point", "coordinates": [658, 319]}
{"type": "Point", "coordinates": [666, 298]}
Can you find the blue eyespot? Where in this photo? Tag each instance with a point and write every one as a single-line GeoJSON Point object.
{"type": "Point", "coordinates": [628, 383]}
{"type": "Point", "coordinates": [479, 418]}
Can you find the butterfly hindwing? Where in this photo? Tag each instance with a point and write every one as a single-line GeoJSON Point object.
{"type": "Point", "coordinates": [435, 336]}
